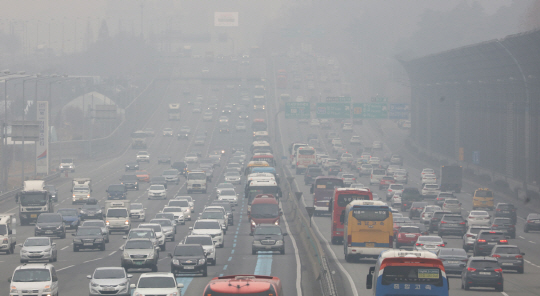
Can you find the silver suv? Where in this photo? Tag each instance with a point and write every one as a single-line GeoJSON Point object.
{"type": "Point", "coordinates": [139, 253]}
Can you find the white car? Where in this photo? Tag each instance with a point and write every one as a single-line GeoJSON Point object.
{"type": "Point", "coordinates": [191, 158]}
{"type": "Point", "coordinates": [430, 243]}
{"type": "Point", "coordinates": [209, 227]}
{"type": "Point", "coordinates": [177, 212]}
{"type": "Point", "coordinates": [395, 200]}
{"type": "Point", "coordinates": [168, 132]}
{"type": "Point", "coordinates": [392, 168]}
{"type": "Point", "coordinates": [427, 213]}
{"type": "Point", "coordinates": [189, 199]}
{"type": "Point", "coordinates": [315, 122]}
{"type": "Point", "coordinates": [330, 162]}
{"type": "Point", "coordinates": [137, 211]}
{"type": "Point", "coordinates": [230, 196]}
{"type": "Point", "coordinates": [430, 190]}
{"type": "Point", "coordinates": [208, 115]}
{"type": "Point", "coordinates": [160, 235]}
{"type": "Point", "coordinates": [223, 119]}
{"type": "Point", "coordinates": [181, 203]}
{"type": "Point", "coordinates": [355, 140]}
{"type": "Point", "coordinates": [240, 126]}
{"type": "Point", "coordinates": [347, 127]}
{"type": "Point", "coordinates": [208, 246]}
{"type": "Point", "coordinates": [222, 186]}
{"type": "Point", "coordinates": [377, 145]}
{"type": "Point", "coordinates": [346, 158]}
{"type": "Point", "coordinates": [347, 178]}
{"type": "Point", "coordinates": [338, 148]}
{"type": "Point", "coordinates": [428, 172]}
{"type": "Point", "coordinates": [365, 169]}
{"type": "Point", "coordinates": [215, 215]}
{"type": "Point", "coordinates": [393, 189]}
{"type": "Point", "coordinates": [38, 279]}
{"type": "Point", "coordinates": [157, 283]}
{"type": "Point", "coordinates": [429, 179]}
{"type": "Point", "coordinates": [335, 141]}
{"type": "Point", "coordinates": [374, 160]}
{"type": "Point", "coordinates": [157, 191]}
{"type": "Point", "coordinates": [321, 157]}
{"type": "Point", "coordinates": [233, 177]}
{"type": "Point", "coordinates": [143, 156]}
{"type": "Point", "coordinates": [453, 205]}
{"type": "Point", "coordinates": [478, 218]}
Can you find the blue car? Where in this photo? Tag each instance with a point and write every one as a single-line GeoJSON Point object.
{"type": "Point", "coordinates": [71, 218]}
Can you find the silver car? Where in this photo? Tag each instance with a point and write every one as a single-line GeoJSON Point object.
{"type": "Point", "coordinates": [101, 224]}
{"type": "Point", "coordinates": [427, 213]}
{"type": "Point", "coordinates": [215, 215]}
{"type": "Point", "coordinates": [139, 253]}
{"type": "Point", "coordinates": [38, 248]}
{"type": "Point", "coordinates": [392, 189]}
{"type": "Point", "coordinates": [109, 281]}
{"type": "Point", "coordinates": [470, 236]}
{"type": "Point", "coordinates": [430, 243]}
{"type": "Point", "coordinates": [208, 246]}
{"type": "Point", "coordinates": [167, 226]}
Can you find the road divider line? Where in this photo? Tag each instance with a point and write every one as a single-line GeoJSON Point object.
{"type": "Point", "coordinates": [297, 258]}
{"type": "Point", "coordinates": [225, 267]}
{"type": "Point", "coordinates": [64, 248]}
{"type": "Point", "coordinates": [264, 264]}
{"type": "Point", "coordinates": [64, 268]}
{"type": "Point", "coordinates": [186, 281]}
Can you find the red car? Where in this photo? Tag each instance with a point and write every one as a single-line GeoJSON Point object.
{"type": "Point", "coordinates": [407, 235]}
{"type": "Point", "coordinates": [398, 222]}
{"type": "Point", "coordinates": [386, 181]}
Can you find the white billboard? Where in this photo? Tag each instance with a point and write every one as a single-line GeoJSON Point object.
{"type": "Point", "coordinates": [42, 144]}
{"type": "Point", "coordinates": [226, 19]}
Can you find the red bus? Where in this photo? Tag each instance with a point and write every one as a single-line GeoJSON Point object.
{"type": "Point", "coordinates": [256, 285]}
{"type": "Point", "coordinates": [323, 190]}
{"type": "Point", "coordinates": [342, 197]}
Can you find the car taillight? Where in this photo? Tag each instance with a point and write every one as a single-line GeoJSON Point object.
{"type": "Point", "coordinates": [496, 256]}
{"type": "Point", "coordinates": [511, 225]}
{"type": "Point", "coordinates": [498, 210]}
{"type": "Point", "coordinates": [470, 235]}
{"type": "Point", "coordinates": [400, 235]}
{"type": "Point", "coordinates": [504, 241]}
{"type": "Point", "coordinates": [349, 240]}
{"type": "Point", "coordinates": [481, 240]}
{"type": "Point", "coordinates": [471, 269]}
{"type": "Point", "coordinates": [419, 244]}
{"type": "Point", "coordinates": [498, 270]}
{"type": "Point", "coordinates": [462, 223]}
{"type": "Point", "coordinates": [470, 217]}
{"type": "Point", "coordinates": [441, 245]}
{"type": "Point", "coordinates": [443, 222]}
{"type": "Point", "coordinates": [519, 257]}
{"type": "Point", "coordinates": [529, 221]}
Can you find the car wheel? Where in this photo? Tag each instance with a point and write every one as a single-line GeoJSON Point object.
{"type": "Point", "coordinates": [154, 268]}
{"type": "Point", "coordinates": [205, 273]}
{"type": "Point", "coordinates": [499, 289]}
{"type": "Point", "coordinates": [75, 249]}
{"type": "Point", "coordinates": [349, 258]}
{"type": "Point", "coordinates": [521, 270]}
{"type": "Point", "coordinates": [102, 247]}
{"type": "Point", "coordinates": [525, 229]}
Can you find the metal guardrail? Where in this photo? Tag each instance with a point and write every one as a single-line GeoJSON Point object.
{"type": "Point", "coordinates": [12, 193]}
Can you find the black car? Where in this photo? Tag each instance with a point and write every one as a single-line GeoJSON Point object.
{"type": "Point", "coordinates": [182, 136]}
{"type": "Point", "coordinates": [452, 224]}
{"type": "Point", "coordinates": [268, 237]}
{"type": "Point", "coordinates": [453, 259]}
{"type": "Point", "coordinates": [228, 210]}
{"type": "Point", "coordinates": [88, 237]}
{"type": "Point", "coordinates": [158, 181]}
{"type": "Point", "coordinates": [164, 159]}
{"type": "Point", "coordinates": [188, 258]}
{"type": "Point", "coordinates": [334, 170]}
{"type": "Point", "coordinates": [91, 212]}
{"type": "Point", "coordinates": [52, 191]}
{"type": "Point", "coordinates": [116, 191]}
{"type": "Point", "coordinates": [50, 224]}
{"type": "Point", "coordinates": [132, 166]}
{"type": "Point", "coordinates": [416, 209]}
{"type": "Point", "coordinates": [482, 272]}
{"type": "Point", "coordinates": [311, 174]}
{"type": "Point", "coordinates": [206, 163]}
{"type": "Point", "coordinates": [130, 181]}
{"type": "Point", "coordinates": [237, 147]}
{"type": "Point", "coordinates": [435, 219]}
{"type": "Point", "coordinates": [486, 240]}
{"type": "Point", "coordinates": [409, 195]}
{"type": "Point", "coordinates": [506, 225]}
{"type": "Point", "coordinates": [509, 257]}
{"type": "Point", "coordinates": [181, 166]}
{"type": "Point", "coordinates": [506, 210]}
{"type": "Point", "coordinates": [532, 222]}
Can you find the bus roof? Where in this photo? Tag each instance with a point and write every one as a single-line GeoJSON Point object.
{"type": "Point", "coordinates": [258, 163]}
{"type": "Point", "coordinates": [355, 189]}
{"type": "Point", "coordinates": [262, 183]}
{"type": "Point", "coordinates": [406, 254]}
{"type": "Point", "coordinates": [243, 284]}
{"type": "Point", "coordinates": [367, 203]}
{"type": "Point", "coordinates": [327, 178]}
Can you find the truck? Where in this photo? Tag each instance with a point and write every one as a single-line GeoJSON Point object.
{"type": "Point", "coordinates": [81, 190]}
{"type": "Point", "coordinates": [33, 200]}
{"type": "Point", "coordinates": [174, 111]}
{"type": "Point", "coordinates": [117, 215]}
{"type": "Point", "coordinates": [7, 233]}
{"type": "Point", "coordinates": [196, 181]}
{"type": "Point", "coordinates": [451, 178]}
{"type": "Point", "coordinates": [67, 165]}
{"type": "Point", "coordinates": [138, 140]}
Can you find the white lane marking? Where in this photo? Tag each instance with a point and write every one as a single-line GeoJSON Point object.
{"type": "Point", "coordinates": [504, 293]}
{"type": "Point", "coordinates": [297, 257]}
{"type": "Point", "coordinates": [532, 242]}
{"type": "Point", "coordinates": [64, 248]}
{"type": "Point", "coordinates": [92, 260]}
{"type": "Point", "coordinates": [112, 253]}
{"type": "Point", "coordinates": [521, 237]}
{"type": "Point", "coordinates": [65, 268]}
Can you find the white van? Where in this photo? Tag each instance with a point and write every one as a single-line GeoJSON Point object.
{"type": "Point", "coordinates": [196, 181]}
{"type": "Point", "coordinates": [40, 278]}
{"type": "Point", "coordinates": [376, 176]}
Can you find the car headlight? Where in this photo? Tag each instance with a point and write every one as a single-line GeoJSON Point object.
{"type": "Point", "coordinates": [202, 261]}
{"type": "Point", "coordinates": [47, 289]}
{"type": "Point", "coordinates": [277, 222]}
{"type": "Point", "coordinates": [253, 223]}
{"type": "Point", "coordinates": [151, 255]}
{"type": "Point", "coordinates": [23, 251]}
{"type": "Point", "coordinates": [175, 262]}
{"type": "Point", "coordinates": [77, 240]}
{"type": "Point", "coordinates": [126, 255]}
{"type": "Point", "coordinates": [47, 250]}
{"type": "Point", "coordinates": [93, 284]}
{"type": "Point", "coordinates": [107, 223]}
{"type": "Point", "coordinates": [126, 223]}
{"type": "Point", "coordinates": [99, 240]}
{"type": "Point", "coordinates": [279, 242]}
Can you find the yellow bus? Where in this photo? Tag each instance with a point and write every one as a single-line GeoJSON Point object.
{"type": "Point", "coordinates": [483, 198]}
{"type": "Point", "coordinates": [368, 229]}
{"type": "Point", "coordinates": [255, 164]}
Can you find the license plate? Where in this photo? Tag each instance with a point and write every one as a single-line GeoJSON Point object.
{"type": "Point", "coordinates": [452, 262]}
{"type": "Point", "coordinates": [485, 273]}
{"type": "Point", "coordinates": [506, 212]}
{"type": "Point", "coordinates": [33, 215]}
{"type": "Point", "coordinates": [508, 264]}
{"type": "Point", "coordinates": [48, 231]}
{"type": "Point", "coordinates": [268, 247]}
{"type": "Point", "coordinates": [138, 262]}
{"type": "Point", "coordinates": [410, 235]}
{"type": "Point", "coordinates": [108, 289]}
{"type": "Point", "coordinates": [452, 225]}
{"type": "Point", "coordinates": [189, 267]}
{"type": "Point", "coordinates": [90, 215]}
{"type": "Point", "coordinates": [370, 245]}
{"type": "Point", "coordinates": [492, 243]}
{"type": "Point", "coordinates": [88, 244]}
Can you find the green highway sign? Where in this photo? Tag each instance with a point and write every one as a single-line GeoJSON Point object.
{"type": "Point", "coordinates": [370, 110]}
{"type": "Point", "coordinates": [379, 100]}
{"type": "Point", "coordinates": [338, 99]}
{"type": "Point", "coordinates": [333, 110]}
{"type": "Point", "coordinates": [297, 110]}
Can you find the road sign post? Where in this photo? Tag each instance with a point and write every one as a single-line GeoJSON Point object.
{"type": "Point", "coordinates": [297, 110]}
{"type": "Point", "coordinates": [398, 111]}
{"type": "Point", "coordinates": [333, 110]}
{"type": "Point", "coordinates": [370, 110]}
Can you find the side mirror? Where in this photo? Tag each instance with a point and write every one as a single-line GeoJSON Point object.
{"type": "Point", "coordinates": [169, 255]}
{"type": "Point", "coordinates": [129, 276]}
{"type": "Point", "coordinates": [124, 237]}
{"type": "Point", "coordinates": [121, 248]}
{"type": "Point", "coordinates": [55, 279]}
{"type": "Point", "coordinates": [73, 234]}
{"type": "Point", "coordinates": [223, 227]}
{"type": "Point", "coordinates": [9, 279]}
{"type": "Point", "coordinates": [190, 228]}
{"type": "Point", "coordinates": [285, 234]}
{"type": "Point", "coordinates": [251, 234]}
{"type": "Point", "coordinates": [132, 286]}
{"type": "Point", "coordinates": [89, 277]}
{"type": "Point", "coordinates": [180, 285]}
{"type": "Point", "coordinates": [54, 244]}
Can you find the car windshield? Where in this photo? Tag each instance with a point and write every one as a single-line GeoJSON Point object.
{"type": "Point", "coordinates": [157, 187]}
{"type": "Point", "coordinates": [116, 213]}
{"type": "Point", "coordinates": [430, 239]}
{"type": "Point", "coordinates": [225, 185]}
{"type": "Point", "coordinates": [483, 193]}
{"type": "Point", "coordinates": [113, 188]}
{"type": "Point", "coordinates": [507, 250]}
{"type": "Point", "coordinates": [227, 192]}
{"type": "Point", "coordinates": [94, 223]}
{"type": "Point", "coordinates": [156, 282]}
{"type": "Point", "coordinates": [68, 213]}
{"type": "Point", "coordinates": [409, 229]}
{"type": "Point", "coordinates": [264, 211]}
{"type": "Point", "coordinates": [91, 207]}
{"type": "Point", "coordinates": [267, 231]}
{"type": "Point", "coordinates": [188, 251]}
{"type": "Point", "coordinates": [479, 213]}
{"type": "Point", "coordinates": [172, 209]}
{"type": "Point", "coordinates": [130, 244]}
{"type": "Point", "coordinates": [82, 231]}
{"type": "Point", "coordinates": [484, 264]}
{"type": "Point", "coordinates": [179, 203]}
{"type": "Point", "coordinates": [162, 222]}
{"type": "Point", "coordinates": [212, 215]}
{"type": "Point", "coordinates": [506, 207]}
{"type": "Point", "coordinates": [197, 176]}
{"type": "Point", "coordinates": [33, 242]}
{"type": "Point", "coordinates": [431, 186]}
{"type": "Point", "coordinates": [49, 218]}
{"type": "Point", "coordinates": [199, 240]}
{"type": "Point", "coordinates": [206, 225]}
{"type": "Point", "coordinates": [492, 235]}
{"type": "Point", "coordinates": [502, 221]}
{"type": "Point", "coordinates": [31, 275]}
{"type": "Point", "coordinates": [452, 201]}
{"type": "Point", "coordinates": [136, 206]}
{"type": "Point", "coordinates": [452, 252]}
{"type": "Point", "coordinates": [156, 228]}
{"type": "Point", "coordinates": [117, 273]}
{"type": "Point", "coordinates": [140, 234]}
{"type": "Point", "coordinates": [170, 172]}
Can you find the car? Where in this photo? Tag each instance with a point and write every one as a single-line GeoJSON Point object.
{"type": "Point", "coordinates": [52, 191]}
{"type": "Point", "coordinates": [427, 213]}
{"type": "Point", "coordinates": [184, 204]}
{"type": "Point", "coordinates": [396, 159]}
{"type": "Point", "coordinates": [90, 212]}
{"type": "Point", "coordinates": [50, 224]}
{"type": "Point", "coordinates": [37, 249]}
{"type": "Point", "coordinates": [407, 235]}
{"type": "Point", "coordinates": [222, 186]}
{"type": "Point", "coordinates": [417, 207]}
{"type": "Point", "coordinates": [169, 216]}
{"type": "Point", "coordinates": [269, 238]}
{"type": "Point", "coordinates": [208, 246]}
{"type": "Point", "coordinates": [365, 169]}
{"type": "Point", "coordinates": [189, 199]}
{"type": "Point", "coordinates": [157, 191]}
{"type": "Point", "coordinates": [398, 222]}
{"type": "Point", "coordinates": [148, 233]}
{"type": "Point", "coordinates": [188, 258]}
{"type": "Point", "coordinates": [378, 145]}
{"type": "Point", "coordinates": [149, 132]}
{"type": "Point", "coordinates": [240, 126]}
{"type": "Point", "coordinates": [98, 223]}
{"type": "Point", "coordinates": [452, 224]}
{"type": "Point", "coordinates": [218, 215]}
{"type": "Point", "coordinates": [143, 156]}
{"type": "Point", "coordinates": [334, 170]}
{"type": "Point", "coordinates": [71, 217]}
{"type": "Point", "coordinates": [486, 240]}
{"type": "Point", "coordinates": [130, 181]}
{"type": "Point", "coordinates": [435, 219]}
{"type": "Point", "coordinates": [395, 201]}
{"type": "Point", "coordinates": [478, 218]}
{"type": "Point", "coordinates": [160, 236]}
{"type": "Point", "coordinates": [442, 196]}
{"type": "Point", "coordinates": [532, 222]}
{"type": "Point", "coordinates": [178, 213]}
{"type": "Point", "coordinates": [453, 259]}
{"type": "Point", "coordinates": [506, 210]}
{"type": "Point", "coordinates": [132, 166]}
{"type": "Point", "coordinates": [88, 237]}
{"type": "Point", "coordinates": [243, 115]}
{"type": "Point", "coordinates": [452, 204]}
{"type": "Point", "coordinates": [430, 190]}
{"type": "Point", "coordinates": [386, 181]}
{"type": "Point", "coordinates": [40, 279]}
{"type": "Point", "coordinates": [185, 129]}
{"type": "Point", "coordinates": [234, 165]}
{"type": "Point", "coordinates": [506, 225]}
{"type": "Point", "coordinates": [181, 166]}
{"type": "Point", "coordinates": [509, 257]}
{"type": "Point", "coordinates": [392, 168]}
{"type": "Point", "coordinates": [355, 140]}
{"type": "Point", "coordinates": [143, 176]}
{"type": "Point", "coordinates": [330, 162]}
{"type": "Point", "coordinates": [171, 176]}
{"type": "Point", "coordinates": [199, 140]}
{"type": "Point", "coordinates": [230, 196]}
{"type": "Point", "coordinates": [109, 281]}
{"type": "Point", "coordinates": [228, 209]}
{"type": "Point", "coordinates": [159, 180]}
{"type": "Point", "coordinates": [233, 177]}
{"type": "Point", "coordinates": [470, 236]}
{"type": "Point", "coordinates": [428, 179]}
{"type": "Point", "coordinates": [401, 177]}
{"type": "Point", "coordinates": [168, 132]}
{"type": "Point", "coordinates": [430, 243]}
{"type": "Point", "coordinates": [167, 226]}
{"type": "Point", "coordinates": [139, 253]}
{"type": "Point", "coordinates": [191, 158]}
{"type": "Point", "coordinates": [346, 158]}
{"type": "Point", "coordinates": [224, 128]}
{"type": "Point", "coordinates": [347, 178]}
{"type": "Point", "coordinates": [312, 172]}
{"type": "Point", "coordinates": [164, 159]}
{"type": "Point", "coordinates": [209, 227]}
{"type": "Point", "coordinates": [347, 127]}
{"type": "Point", "coordinates": [157, 283]}
{"type": "Point", "coordinates": [482, 272]}
{"type": "Point", "coordinates": [375, 161]}
{"type": "Point", "coordinates": [427, 171]}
